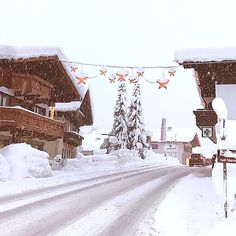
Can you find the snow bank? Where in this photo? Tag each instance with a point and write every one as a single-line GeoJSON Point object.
{"type": "Point", "coordinates": [122, 158]}
{"type": "Point", "coordinates": [217, 177]}
{"type": "Point", "coordinates": [220, 108]}
{"type": "Point", "coordinates": [25, 161]}
{"type": "Point", "coordinates": [4, 169]}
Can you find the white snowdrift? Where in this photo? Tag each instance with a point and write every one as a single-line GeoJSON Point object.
{"type": "Point", "coordinates": [119, 159]}
{"type": "Point", "coordinates": [25, 161]}
{"type": "Point", "coordinates": [4, 169]}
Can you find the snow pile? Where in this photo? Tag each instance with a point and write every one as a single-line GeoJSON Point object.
{"type": "Point", "coordinates": [93, 139]}
{"type": "Point", "coordinates": [220, 108]}
{"type": "Point", "coordinates": [4, 169]}
{"type": "Point", "coordinates": [67, 106]}
{"type": "Point", "coordinates": [122, 158]}
{"type": "Point", "coordinates": [217, 177]}
{"type": "Point", "coordinates": [188, 209]}
{"type": "Point", "coordinates": [225, 129]}
{"type": "Point", "coordinates": [24, 161]}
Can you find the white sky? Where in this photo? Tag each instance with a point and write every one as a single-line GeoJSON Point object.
{"type": "Point", "coordinates": [125, 32]}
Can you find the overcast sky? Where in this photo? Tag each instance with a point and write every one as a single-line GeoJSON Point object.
{"type": "Point", "coordinates": [125, 32]}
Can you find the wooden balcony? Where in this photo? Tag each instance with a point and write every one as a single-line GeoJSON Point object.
{"type": "Point", "coordinates": [205, 117]}
{"type": "Point", "coordinates": [26, 124]}
{"type": "Point", "coordinates": [29, 86]}
{"type": "Point", "coordinates": [72, 138]}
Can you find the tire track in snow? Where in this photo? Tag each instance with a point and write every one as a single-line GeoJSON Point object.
{"type": "Point", "coordinates": [46, 216]}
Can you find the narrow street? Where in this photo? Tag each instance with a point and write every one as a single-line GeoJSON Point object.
{"type": "Point", "coordinates": [109, 205]}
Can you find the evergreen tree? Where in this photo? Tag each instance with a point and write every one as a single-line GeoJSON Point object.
{"type": "Point", "coordinates": [136, 131]}
{"type": "Point", "coordinates": [119, 129]}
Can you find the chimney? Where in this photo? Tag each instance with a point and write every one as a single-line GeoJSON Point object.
{"type": "Point", "coordinates": [163, 130]}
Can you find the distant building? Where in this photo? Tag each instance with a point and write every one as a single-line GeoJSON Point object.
{"type": "Point", "coordinates": [174, 142]}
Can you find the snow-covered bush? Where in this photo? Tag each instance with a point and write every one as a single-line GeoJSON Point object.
{"type": "Point", "coordinates": [79, 155]}
{"type": "Point", "coordinates": [25, 161]}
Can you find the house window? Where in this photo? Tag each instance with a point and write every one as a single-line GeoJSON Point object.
{"type": "Point", "coordinates": [39, 110]}
{"type": "Point", "coordinates": [4, 100]}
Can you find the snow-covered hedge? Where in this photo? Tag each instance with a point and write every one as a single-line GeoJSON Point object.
{"type": "Point", "coordinates": [24, 161]}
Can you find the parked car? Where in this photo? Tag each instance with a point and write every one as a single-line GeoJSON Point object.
{"type": "Point", "coordinates": [208, 161]}
{"type": "Point", "coordinates": [196, 159]}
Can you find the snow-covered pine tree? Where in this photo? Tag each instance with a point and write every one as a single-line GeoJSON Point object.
{"type": "Point", "coordinates": [136, 130]}
{"type": "Point", "coordinates": [119, 129]}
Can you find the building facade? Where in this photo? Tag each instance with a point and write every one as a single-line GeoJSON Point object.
{"type": "Point", "coordinates": [32, 81]}
{"type": "Point", "coordinates": [215, 76]}
{"type": "Point", "coordinates": [174, 142]}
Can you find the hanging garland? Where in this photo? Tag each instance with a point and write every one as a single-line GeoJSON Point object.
{"type": "Point", "coordinates": [122, 73]}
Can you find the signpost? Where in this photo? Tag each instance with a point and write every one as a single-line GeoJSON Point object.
{"type": "Point", "coordinates": [225, 160]}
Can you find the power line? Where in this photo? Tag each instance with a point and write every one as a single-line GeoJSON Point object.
{"type": "Point", "coordinates": [119, 66]}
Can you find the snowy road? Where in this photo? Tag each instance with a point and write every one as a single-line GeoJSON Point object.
{"type": "Point", "coordinates": [108, 205]}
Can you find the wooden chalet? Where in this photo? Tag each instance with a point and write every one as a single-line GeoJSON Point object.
{"type": "Point", "coordinates": [32, 81]}
{"type": "Point", "coordinates": [214, 68]}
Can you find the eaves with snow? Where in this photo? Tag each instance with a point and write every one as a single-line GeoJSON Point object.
{"type": "Point", "coordinates": [205, 55]}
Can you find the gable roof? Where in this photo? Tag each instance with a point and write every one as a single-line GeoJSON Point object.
{"type": "Point", "coordinates": [53, 56]}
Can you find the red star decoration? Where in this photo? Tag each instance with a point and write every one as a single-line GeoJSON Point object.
{"type": "Point", "coordinates": [162, 84]}
{"type": "Point", "coordinates": [171, 72]}
{"type": "Point", "coordinates": [140, 73]}
{"type": "Point", "coordinates": [103, 71]}
{"type": "Point", "coordinates": [82, 80]}
{"type": "Point", "coordinates": [73, 69]}
{"type": "Point", "coordinates": [112, 80]}
{"type": "Point", "coordinates": [121, 78]}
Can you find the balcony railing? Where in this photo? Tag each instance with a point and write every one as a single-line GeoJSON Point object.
{"type": "Point", "coordinates": [72, 137]}
{"type": "Point", "coordinates": [27, 122]}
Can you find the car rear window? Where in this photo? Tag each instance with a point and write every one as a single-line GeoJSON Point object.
{"type": "Point", "coordinates": [195, 155]}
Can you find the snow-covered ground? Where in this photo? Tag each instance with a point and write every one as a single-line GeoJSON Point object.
{"type": "Point", "coordinates": [193, 207]}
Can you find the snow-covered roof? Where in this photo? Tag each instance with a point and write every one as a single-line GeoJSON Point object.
{"type": "Point", "coordinates": [205, 54]}
{"type": "Point", "coordinates": [67, 106]}
{"type": "Point", "coordinates": [10, 52]}
{"type": "Point", "coordinates": [176, 134]}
